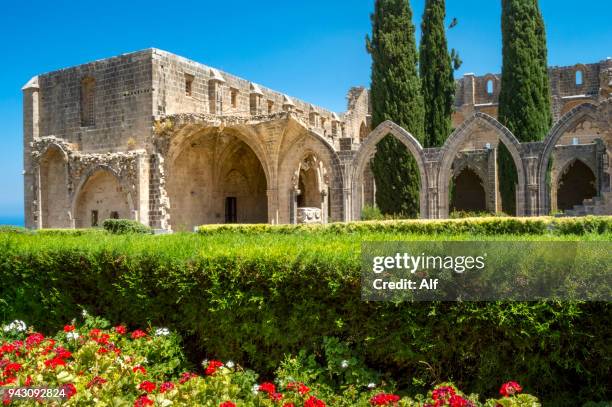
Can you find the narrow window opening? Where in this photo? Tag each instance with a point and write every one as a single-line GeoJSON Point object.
{"type": "Point", "coordinates": [234, 98]}
{"type": "Point", "coordinates": [94, 218]}
{"type": "Point", "coordinates": [88, 95]}
{"type": "Point", "coordinates": [114, 215]}
{"type": "Point", "coordinates": [270, 106]}
{"type": "Point", "coordinates": [579, 78]}
{"type": "Point", "coordinates": [490, 87]}
{"type": "Point", "coordinates": [188, 84]}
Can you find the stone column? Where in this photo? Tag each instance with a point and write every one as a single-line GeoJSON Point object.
{"type": "Point", "coordinates": [33, 219]}
{"type": "Point", "coordinates": [272, 206]}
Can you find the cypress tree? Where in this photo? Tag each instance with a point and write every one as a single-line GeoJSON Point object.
{"type": "Point", "coordinates": [437, 80]}
{"type": "Point", "coordinates": [395, 95]}
{"type": "Point", "coordinates": [524, 100]}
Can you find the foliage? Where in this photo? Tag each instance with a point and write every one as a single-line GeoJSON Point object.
{"type": "Point", "coordinates": [125, 226]}
{"type": "Point", "coordinates": [12, 229]}
{"type": "Point", "coordinates": [395, 94]}
{"type": "Point", "coordinates": [524, 99]}
{"type": "Point", "coordinates": [371, 213]}
{"type": "Point", "coordinates": [436, 72]}
{"type": "Point", "coordinates": [94, 364]}
{"type": "Point", "coordinates": [256, 294]}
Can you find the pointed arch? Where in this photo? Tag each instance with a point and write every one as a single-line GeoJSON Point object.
{"type": "Point", "coordinates": [453, 145]}
{"type": "Point", "coordinates": [566, 123]}
{"type": "Point", "coordinates": [54, 197]}
{"type": "Point", "coordinates": [368, 148]}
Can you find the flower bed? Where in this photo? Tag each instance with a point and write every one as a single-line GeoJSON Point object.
{"type": "Point", "coordinates": [93, 366]}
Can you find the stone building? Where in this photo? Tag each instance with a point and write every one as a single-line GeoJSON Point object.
{"type": "Point", "coordinates": [172, 143]}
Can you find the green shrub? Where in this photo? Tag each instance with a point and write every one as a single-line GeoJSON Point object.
{"type": "Point", "coordinates": [370, 212]}
{"type": "Point", "coordinates": [125, 226]}
{"type": "Point", "coordinates": [12, 229]}
{"type": "Point", "coordinates": [488, 226]}
{"type": "Point", "coordinates": [255, 297]}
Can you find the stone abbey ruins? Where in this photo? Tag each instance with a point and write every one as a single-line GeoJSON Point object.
{"type": "Point", "coordinates": [172, 143]}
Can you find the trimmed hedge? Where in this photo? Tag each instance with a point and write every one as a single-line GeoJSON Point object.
{"type": "Point", "coordinates": [477, 226]}
{"type": "Point", "coordinates": [125, 226]}
{"type": "Point", "coordinates": [255, 297]}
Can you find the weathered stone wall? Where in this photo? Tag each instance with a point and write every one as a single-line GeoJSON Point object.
{"type": "Point", "coordinates": [122, 103]}
{"type": "Point", "coordinates": [164, 140]}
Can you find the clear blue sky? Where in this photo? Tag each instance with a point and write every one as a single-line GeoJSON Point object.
{"type": "Point", "coordinates": [313, 50]}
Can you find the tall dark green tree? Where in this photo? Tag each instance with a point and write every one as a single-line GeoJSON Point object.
{"type": "Point", "coordinates": [437, 80]}
{"type": "Point", "coordinates": [395, 95]}
{"type": "Point", "coordinates": [524, 99]}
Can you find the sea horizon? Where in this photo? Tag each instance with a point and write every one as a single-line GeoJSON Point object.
{"type": "Point", "coordinates": [12, 220]}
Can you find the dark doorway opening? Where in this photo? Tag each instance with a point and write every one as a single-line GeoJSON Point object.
{"type": "Point", "coordinates": [576, 184]}
{"type": "Point", "coordinates": [231, 212]}
{"type": "Point", "coordinates": [468, 193]}
{"type": "Point", "coordinates": [94, 218]}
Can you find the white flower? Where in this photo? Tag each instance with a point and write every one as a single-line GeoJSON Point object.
{"type": "Point", "coordinates": [230, 364]}
{"type": "Point", "coordinates": [16, 325]}
{"type": "Point", "coordinates": [84, 313]}
{"type": "Point", "coordinates": [162, 332]}
{"type": "Point", "coordinates": [255, 389]}
{"type": "Point", "coordinates": [344, 364]}
{"type": "Point", "coordinates": [371, 385]}
{"type": "Point", "coordinates": [72, 335]}
{"type": "Point", "coordinates": [205, 363]}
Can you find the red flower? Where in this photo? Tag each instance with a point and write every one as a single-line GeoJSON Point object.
{"type": "Point", "coordinates": [69, 390]}
{"type": "Point", "coordinates": [227, 404]}
{"type": "Point", "coordinates": [68, 328]}
{"type": "Point", "coordinates": [166, 386]}
{"type": "Point", "coordinates": [102, 351]}
{"type": "Point", "coordinates": [267, 387]}
{"type": "Point", "coordinates": [147, 386]}
{"type": "Point", "coordinates": [212, 367]}
{"type": "Point", "coordinates": [143, 401]}
{"type": "Point", "coordinates": [443, 393]}
{"type": "Point", "coordinates": [55, 362]}
{"type": "Point", "coordinates": [103, 339]}
{"type": "Point", "coordinates": [121, 330]}
{"type": "Point", "coordinates": [62, 353]}
{"type": "Point", "coordinates": [139, 369]}
{"type": "Point", "coordinates": [458, 401]}
{"type": "Point", "coordinates": [299, 387]}
{"type": "Point", "coordinates": [96, 381]}
{"type": "Point", "coordinates": [288, 405]}
{"type": "Point", "coordinates": [94, 333]}
{"type": "Point", "coordinates": [314, 402]}
{"type": "Point", "coordinates": [185, 377]}
{"type": "Point", "coordinates": [383, 399]}
{"type": "Point", "coordinates": [28, 381]}
{"type": "Point", "coordinates": [276, 397]}
{"type": "Point", "coordinates": [137, 334]}
{"type": "Point", "coordinates": [510, 388]}
{"type": "Point", "coordinates": [34, 339]}
{"type": "Point", "coordinates": [11, 368]}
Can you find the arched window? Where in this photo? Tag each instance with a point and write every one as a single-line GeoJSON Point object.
{"type": "Point", "coordinates": [579, 78]}
{"type": "Point", "coordinates": [490, 87]}
{"type": "Point", "coordinates": [88, 96]}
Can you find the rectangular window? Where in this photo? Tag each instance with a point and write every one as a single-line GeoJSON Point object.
{"type": "Point", "coordinates": [94, 218]}
{"type": "Point", "coordinates": [234, 97]}
{"type": "Point", "coordinates": [114, 215]}
{"type": "Point", "coordinates": [188, 84]}
{"type": "Point", "coordinates": [270, 106]}
{"type": "Point", "coordinates": [231, 213]}
{"type": "Point", "coordinates": [88, 96]}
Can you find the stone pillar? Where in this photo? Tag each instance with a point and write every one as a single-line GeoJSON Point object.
{"type": "Point", "coordinates": [324, 206]}
{"type": "Point", "coordinates": [33, 219]}
{"type": "Point", "coordinates": [293, 194]}
{"type": "Point", "coordinates": [272, 206]}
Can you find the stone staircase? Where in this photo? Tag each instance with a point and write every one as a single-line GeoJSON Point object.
{"type": "Point", "coordinates": [599, 205]}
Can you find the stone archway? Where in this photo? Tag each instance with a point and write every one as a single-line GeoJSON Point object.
{"type": "Point", "coordinates": [468, 193]}
{"type": "Point", "coordinates": [582, 112]}
{"type": "Point", "coordinates": [367, 150]}
{"type": "Point", "coordinates": [453, 145]}
{"type": "Point", "coordinates": [576, 183]}
{"type": "Point", "coordinates": [54, 194]}
{"type": "Point", "coordinates": [310, 191]}
{"type": "Point", "coordinates": [214, 178]}
{"type": "Point", "coordinates": [100, 196]}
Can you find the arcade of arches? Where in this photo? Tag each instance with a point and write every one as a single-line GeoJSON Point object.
{"type": "Point", "coordinates": [281, 171]}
